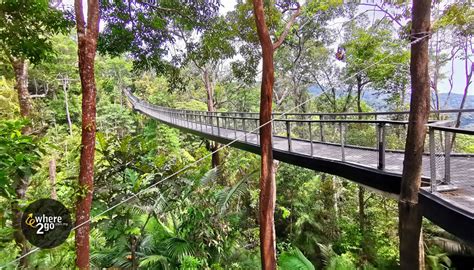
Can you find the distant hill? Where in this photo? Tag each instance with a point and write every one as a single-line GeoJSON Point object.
{"type": "Point", "coordinates": [379, 103]}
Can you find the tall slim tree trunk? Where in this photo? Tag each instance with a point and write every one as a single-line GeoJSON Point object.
{"type": "Point", "coordinates": [362, 222]}
{"type": "Point", "coordinates": [66, 103]}
{"type": "Point", "coordinates": [20, 67]}
{"type": "Point", "coordinates": [87, 43]}
{"type": "Point", "coordinates": [52, 177]}
{"type": "Point", "coordinates": [410, 216]}
{"type": "Point", "coordinates": [468, 71]}
{"type": "Point", "coordinates": [20, 185]}
{"type": "Point", "coordinates": [210, 108]}
{"type": "Point", "coordinates": [359, 93]}
{"type": "Point", "coordinates": [267, 178]}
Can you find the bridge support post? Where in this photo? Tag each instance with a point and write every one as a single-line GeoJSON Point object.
{"type": "Point", "coordinates": [311, 139]}
{"type": "Point", "coordinates": [258, 128]}
{"type": "Point", "coordinates": [200, 121]}
{"type": "Point", "coordinates": [212, 123]}
{"type": "Point", "coordinates": [432, 142]}
{"type": "Point", "coordinates": [447, 157]}
{"type": "Point", "coordinates": [245, 130]}
{"type": "Point", "coordinates": [218, 128]}
{"type": "Point", "coordinates": [381, 145]}
{"type": "Point", "coordinates": [321, 131]}
{"type": "Point", "coordinates": [341, 134]}
{"type": "Point", "coordinates": [235, 129]}
{"type": "Point", "coordinates": [273, 125]}
{"type": "Point", "coordinates": [288, 134]}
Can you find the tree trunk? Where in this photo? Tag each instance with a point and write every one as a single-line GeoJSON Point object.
{"type": "Point", "coordinates": [361, 197]}
{"type": "Point", "coordinates": [133, 246]}
{"type": "Point", "coordinates": [52, 177]}
{"type": "Point", "coordinates": [20, 67]}
{"type": "Point", "coordinates": [436, 72]}
{"type": "Point", "coordinates": [20, 185]}
{"type": "Point", "coordinates": [468, 79]}
{"type": "Point", "coordinates": [267, 178]}
{"type": "Point", "coordinates": [87, 43]}
{"type": "Point", "coordinates": [66, 102]}
{"type": "Point", "coordinates": [359, 93]}
{"type": "Point", "coordinates": [410, 216]}
{"type": "Point", "coordinates": [210, 107]}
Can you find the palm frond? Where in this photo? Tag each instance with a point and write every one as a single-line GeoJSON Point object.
{"type": "Point", "coordinates": [327, 253]}
{"type": "Point", "coordinates": [177, 248]}
{"type": "Point", "coordinates": [451, 246]}
{"type": "Point", "coordinates": [294, 260]}
{"type": "Point", "coordinates": [154, 261]}
{"type": "Point", "coordinates": [211, 176]}
{"type": "Point", "coordinates": [226, 195]}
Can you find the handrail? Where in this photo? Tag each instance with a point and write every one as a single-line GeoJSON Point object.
{"type": "Point", "coordinates": [452, 129]}
{"type": "Point", "coordinates": [214, 122]}
{"type": "Point", "coordinates": [319, 114]}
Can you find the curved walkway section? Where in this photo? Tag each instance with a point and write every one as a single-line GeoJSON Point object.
{"type": "Point", "coordinates": [325, 145]}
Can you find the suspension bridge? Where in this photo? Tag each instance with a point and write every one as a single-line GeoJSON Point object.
{"type": "Point", "coordinates": [366, 148]}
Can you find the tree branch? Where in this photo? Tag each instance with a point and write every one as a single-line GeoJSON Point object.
{"type": "Point", "coordinates": [287, 27]}
{"type": "Point", "coordinates": [80, 23]}
{"type": "Point", "coordinates": [384, 11]}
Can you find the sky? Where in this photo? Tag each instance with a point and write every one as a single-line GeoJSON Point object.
{"type": "Point", "coordinates": [459, 71]}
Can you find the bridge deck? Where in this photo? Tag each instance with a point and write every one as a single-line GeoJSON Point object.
{"type": "Point", "coordinates": [452, 209]}
{"type": "Point", "coordinates": [461, 191]}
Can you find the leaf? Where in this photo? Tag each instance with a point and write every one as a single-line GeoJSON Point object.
{"type": "Point", "coordinates": [153, 261]}
{"type": "Point", "coordinates": [294, 260]}
{"type": "Point", "coordinates": [238, 189]}
{"type": "Point", "coordinates": [210, 176]}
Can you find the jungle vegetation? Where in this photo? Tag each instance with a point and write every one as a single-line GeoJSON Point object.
{"type": "Point", "coordinates": [67, 130]}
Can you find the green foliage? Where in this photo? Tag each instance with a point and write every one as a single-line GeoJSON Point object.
{"type": "Point", "coordinates": [214, 45]}
{"type": "Point", "coordinates": [228, 194]}
{"type": "Point", "coordinates": [437, 260]}
{"type": "Point", "coordinates": [25, 26]}
{"type": "Point", "coordinates": [19, 155]}
{"type": "Point", "coordinates": [377, 58]}
{"type": "Point", "coordinates": [144, 30]}
{"type": "Point", "coordinates": [464, 144]}
{"type": "Point", "coordinates": [8, 99]}
{"type": "Point", "coordinates": [205, 218]}
{"type": "Point", "coordinates": [294, 259]}
{"type": "Point", "coordinates": [459, 16]}
{"type": "Point", "coordinates": [342, 262]}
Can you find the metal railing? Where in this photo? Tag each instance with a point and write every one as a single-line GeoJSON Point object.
{"type": "Point", "coordinates": [348, 137]}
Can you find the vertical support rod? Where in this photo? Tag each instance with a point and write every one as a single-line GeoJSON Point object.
{"type": "Point", "coordinates": [381, 145]}
{"type": "Point", "coordinates": [432, 159]}
{"type": "Point", "coordinates": [341, 135]}
{"type": "Point", "coordinates": [235, 129]}
{"type": "Point", "coordinates": [288, 134]}
{"type": "Point", "coordinates": [258, 129]}
{"type": "Point", "coordinates": [245, 130]}
{"type": "Point", "coordinates": [447, 157]}
{"type": "Point", "coordinates": [273, 126]}
{"type": "Point", "coordinates": [212, 124]}
{"type": "Point", "coordinates": [218, 128]}
{"type": "Point", "coordinates": [321, 132]}
{"type": "Point", "coordinates": [200, 121]}
{"type": "Point", "coordinates": [311, 138]}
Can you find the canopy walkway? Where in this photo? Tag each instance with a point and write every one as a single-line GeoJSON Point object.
{"type": "Point", "coordinates": [366, 148]}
